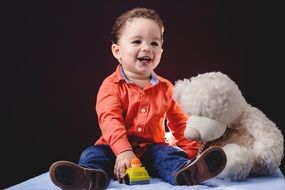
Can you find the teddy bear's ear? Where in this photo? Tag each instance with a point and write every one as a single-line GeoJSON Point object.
{"type": "Point", "coordinates": [176, 90]}
{"type": "Point", "coordinates": [179, 88]}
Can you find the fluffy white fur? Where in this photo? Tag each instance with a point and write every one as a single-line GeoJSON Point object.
{"type": "Point", "coordinates": [252, 142]}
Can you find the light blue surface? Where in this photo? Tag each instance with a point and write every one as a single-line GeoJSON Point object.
{"type": "Point", "coordinates": [275, 182]}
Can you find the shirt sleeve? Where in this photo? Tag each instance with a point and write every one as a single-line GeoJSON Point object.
{"type": "Point", "coordinates": [110, 119]}
{"type": "Point", "coordinates": [177, 122]}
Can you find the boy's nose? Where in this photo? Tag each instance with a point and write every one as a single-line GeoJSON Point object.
{"type": "Point", "coordinates": [146, 47]}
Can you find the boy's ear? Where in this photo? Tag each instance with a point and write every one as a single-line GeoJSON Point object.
{"type": "Point", "coordinates": [116, 51]}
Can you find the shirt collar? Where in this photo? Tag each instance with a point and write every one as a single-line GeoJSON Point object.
{"type": "Point", "coordinates": [153, 80]}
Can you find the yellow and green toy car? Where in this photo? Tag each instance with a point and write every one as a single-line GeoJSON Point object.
{"type": "Point", "coordinates": [136, 174]}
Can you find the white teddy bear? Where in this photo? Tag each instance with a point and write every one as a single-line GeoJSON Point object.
{"type": "Point", "coordinates": [219, 114]}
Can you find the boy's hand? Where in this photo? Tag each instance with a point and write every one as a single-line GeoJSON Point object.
{"type": "Point", "coordinates": [123, 161]}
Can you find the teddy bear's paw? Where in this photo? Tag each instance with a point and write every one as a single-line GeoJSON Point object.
{"type": "Point", "coordinates": [238, 167]}
{"type": "Point", "coordinates": [265, 165]}
{"type": "Point", "coordinates": [239, 173]}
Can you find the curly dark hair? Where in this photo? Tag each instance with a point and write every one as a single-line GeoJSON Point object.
{"type": "Point", "coordinates": [128, 16]}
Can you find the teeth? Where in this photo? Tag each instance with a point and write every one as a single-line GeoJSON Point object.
{"type": "Point", "coordinates": [144, 58]}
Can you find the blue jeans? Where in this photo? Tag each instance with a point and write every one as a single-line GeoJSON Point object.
{"type": "Point", "coordinates": [160, 160]}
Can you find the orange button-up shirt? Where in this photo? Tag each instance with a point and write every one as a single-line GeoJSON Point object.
{"type": "Point", "coordinates": [130, 118]}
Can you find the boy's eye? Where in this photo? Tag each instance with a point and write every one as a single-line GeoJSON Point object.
{"type": "Point", "coordinates": [136, 42]}
{"type": "Point", "coordinates": [154, 44]}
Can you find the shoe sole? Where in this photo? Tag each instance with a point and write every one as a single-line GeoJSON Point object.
{"type": "Point", "coordinates": [70, 176]}
{"type": "Point", "coordinates": [207, 165]}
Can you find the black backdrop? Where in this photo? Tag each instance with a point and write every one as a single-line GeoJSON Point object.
{"type": "Point", "coordinates": [56, 54]}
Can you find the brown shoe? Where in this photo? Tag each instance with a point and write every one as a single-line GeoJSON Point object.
{"type": "Point", "coordinates": [70, 176]}
{"type": "Point", "coordinates": [207, 165]}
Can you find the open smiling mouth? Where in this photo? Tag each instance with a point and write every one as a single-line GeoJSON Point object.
{"type": "Point", "coordinates": [145, 59]}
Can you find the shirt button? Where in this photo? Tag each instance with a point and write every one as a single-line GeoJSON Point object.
{"type": "Point", "coordinates": [139, 129]}
{"type": "Point", "coordinates": [143, 110]}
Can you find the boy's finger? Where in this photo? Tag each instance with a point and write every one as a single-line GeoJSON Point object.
{"type": "Point", "coordinates": [122, 172]}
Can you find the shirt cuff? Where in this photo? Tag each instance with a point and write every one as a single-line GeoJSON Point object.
{"type": "Point", "coordinates": [121, 145]}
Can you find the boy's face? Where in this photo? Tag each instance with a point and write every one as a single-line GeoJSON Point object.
{"type": "Point", "coordinates": [139, 48]}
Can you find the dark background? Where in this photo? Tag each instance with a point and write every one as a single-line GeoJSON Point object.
{"type": "Point", "coordinates": [55, 55]}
